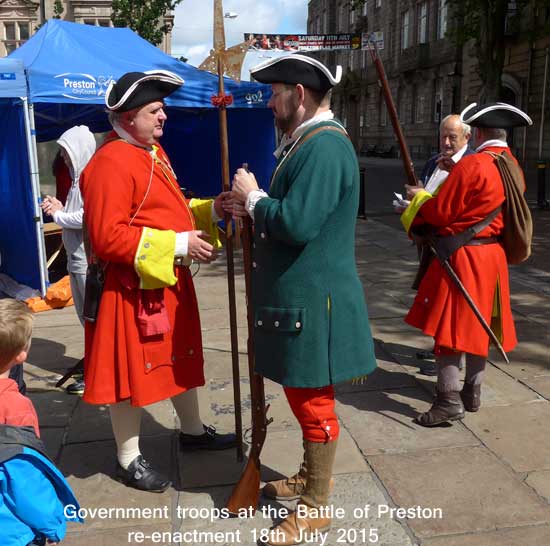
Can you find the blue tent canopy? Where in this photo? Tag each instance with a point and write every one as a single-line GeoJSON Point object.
{"type": "Point", "coordinates": [68, 68]}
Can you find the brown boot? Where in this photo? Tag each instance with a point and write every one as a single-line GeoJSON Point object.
{"type": "Point", "coordinates": [301, 526]}
{"type": "Point", "coordinates": [471, 397]}
{"type": "Point", "coordinates": [446, 407]}
{"type": "Point", "coordinates": [289, 488]}
{"type": "Point", "coordinates": [309, 517]}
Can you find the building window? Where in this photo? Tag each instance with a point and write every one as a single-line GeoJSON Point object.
{"type": "Point", "coordinates": [324, 30]}
{"type": "Point", "coordinates": [364, 12]}
{"type": "Point", "coordinates": [15, 34]}
{"type": "Point", "coordinates": [383, 111]}
{"type": "Point", "coordinates": [342, 18]}
{"type": "Point", "coordinates": [361, 124]}
{"type": "Point", "coordinates": [352, 17]}
{"type": "Point", "coordinates": [417, 106]}
{"type": "Point", "coordinates": [377, 3]}
{"type": "Point", "coordinates": [364, 58]}
{"type": "Point", "coordinates": [422, 21]}
{"type": "Point", "coordinates": [438, 100]}
{"type": "Point", "coordinates": [441, 18]}
{"type": "Point", "coordinates": [405, 30]}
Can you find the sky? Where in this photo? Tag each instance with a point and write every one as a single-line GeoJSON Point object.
{"type": "Point", "coordinates": [193, 24]}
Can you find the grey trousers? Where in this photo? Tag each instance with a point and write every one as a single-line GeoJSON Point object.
{"type": "Point", "coordinates": [448, 370]}
{"type": "Point", "coordinates": [78, 282]}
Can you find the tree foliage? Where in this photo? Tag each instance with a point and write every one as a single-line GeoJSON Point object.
{"type": "Point", "coordinates": [144, 17]}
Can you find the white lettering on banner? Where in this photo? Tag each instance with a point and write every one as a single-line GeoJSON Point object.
{"type": "Point", "coordinates": [81, 86]}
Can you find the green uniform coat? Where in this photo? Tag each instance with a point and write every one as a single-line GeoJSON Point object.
{"type": "Point", "coordinates": [311, 321]}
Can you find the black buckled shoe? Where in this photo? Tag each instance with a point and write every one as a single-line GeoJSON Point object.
{"type": "Point", "coordinates": [209, 440]}
{"type": "Point", "coordinates": [141, 476]}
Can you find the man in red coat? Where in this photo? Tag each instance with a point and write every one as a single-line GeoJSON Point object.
{"type": "Point", "coordinates": [145, 343]}
{"type": "Point", "coordinates": [474, 190]}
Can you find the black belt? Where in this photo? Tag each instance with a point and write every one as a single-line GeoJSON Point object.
{"type": "Point", "coordinates": [482, 241]}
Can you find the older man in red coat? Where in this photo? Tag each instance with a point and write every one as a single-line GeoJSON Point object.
{"type": "Point", "coordinates": [472, 192]}
{"type": "Point", "coordinates": [145, 344]}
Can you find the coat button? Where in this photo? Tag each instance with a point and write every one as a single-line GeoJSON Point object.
{"type": "Point", "coordinates": [143, 257]}
{"type": "Point", "coordinates": [148, 365]}
{"type": "Point", "coordinates": [254, 265]}
{"type": "Point", "coordinates": [147, 245]}
{"type": "Point", "coordinates": [262, 235]}
{"type": "Point", "coordinates": [426, 300]}
{"type": "Point", "coordinates": [191, 351]}
{"type": "Point", "coordinates": [173, 358]}
{"type": "Point", "coordinates": [259, 323]}
{"type": "Point", "coordinates": [298, 324]}
{"type": "Point", "coordinates": [276, 324]}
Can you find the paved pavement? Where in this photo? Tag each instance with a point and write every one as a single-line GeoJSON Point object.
{"type": "Point", "coordinates": [481, 482]}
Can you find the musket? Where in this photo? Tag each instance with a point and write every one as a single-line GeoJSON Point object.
{"type": "Point", "coordinates": [246, 492]}
{"type": "Point", "coordinates": [413, 181]}
{"type": "Point", "coordinates": [392, 111]}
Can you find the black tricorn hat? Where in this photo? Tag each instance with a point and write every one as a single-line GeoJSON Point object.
{"type": "Point", "coordinates": [294, 69]}
{"type": "Point", "coordinates": [498, 115]}
{"type": "Point", "coordinates": [135, 89]}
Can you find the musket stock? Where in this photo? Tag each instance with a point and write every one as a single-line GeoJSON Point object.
{"type": "Point", "coordinates": [245, 494]}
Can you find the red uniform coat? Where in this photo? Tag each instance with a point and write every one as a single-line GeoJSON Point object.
{"type": "Point", "coordinates": [121, 363]}
{"type": "Point", "coordinates": [470, 193]}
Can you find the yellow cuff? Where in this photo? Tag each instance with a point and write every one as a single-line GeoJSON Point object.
{"type": "Point", "coordinates": [202, 211]}
{"type": "Point", "coordinates": [154, 259]}
{"type": "Point", "coordinates": [409, 214]}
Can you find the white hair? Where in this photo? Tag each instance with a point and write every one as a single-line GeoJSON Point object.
{"type": "Point", "coordinates": [466, 129]}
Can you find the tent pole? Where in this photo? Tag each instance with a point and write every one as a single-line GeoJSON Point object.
{"type": "Point", "coordinates": [30, 133]}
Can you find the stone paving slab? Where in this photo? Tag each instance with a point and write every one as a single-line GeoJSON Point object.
{"type": "Point", "coordinates": [93, 423]}
{"type": "Point", "coordinates": [281, 456]}
{"type": "Point", "coordinates": [522, 536]}
{"type": "Point", "coordinates": [500, 389]}
{"type": "Point", "coordinates": [381, 305]}
{"type": "Point", "coordinates": [382, 422]}
{"type": "Point", "coordinates": [110, 537]}
{"type": "Point", "coordinates": [90, 467]}
{"type": "Point", "coordinates": [55, 408]}
{"type": "Point", "coordinates": [517, 434]}
{"type": "Point", "coordinates": [351, 492]}
{"type": "Point", "coordinates": [387, 376]}
{"type": "Point", "coordinates": [475, 491]}
{"type": "Point", "coordinates": [53, 440]}
{"type": "Point", "coordinates": [539, 480]}
{"type": "Point", "coordinates": [217, 405]}
{"type": "Point", "coordinates": [541, 385]}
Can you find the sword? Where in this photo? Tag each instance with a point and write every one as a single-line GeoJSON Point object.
{"type": "Point", "coordinates": [454, 277]}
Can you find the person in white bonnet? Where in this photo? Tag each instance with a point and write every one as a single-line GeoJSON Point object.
{"type": "Point", "coordinates": [77, 146]}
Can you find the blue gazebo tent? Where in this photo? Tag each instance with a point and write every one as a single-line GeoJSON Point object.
{"type": "Point", "coordinates": [67, 68]}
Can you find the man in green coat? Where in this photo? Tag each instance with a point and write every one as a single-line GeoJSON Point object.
{"type": "Point", "coordinates": [311, 323]}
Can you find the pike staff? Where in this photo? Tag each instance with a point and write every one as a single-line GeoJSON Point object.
{"type": "Point", "coordinates": [228, 61]}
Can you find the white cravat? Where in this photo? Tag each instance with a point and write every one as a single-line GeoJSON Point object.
{"type": "Point", "coordinates": [440, 175]}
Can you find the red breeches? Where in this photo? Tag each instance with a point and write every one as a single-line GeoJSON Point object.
{"type": "Point", "coordinates": [314, 409]}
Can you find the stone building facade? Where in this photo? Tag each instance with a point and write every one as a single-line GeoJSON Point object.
{"type": "Point", "coordinates": [428, 75]}
{"type": "Point", "coordinates": [19, 19]}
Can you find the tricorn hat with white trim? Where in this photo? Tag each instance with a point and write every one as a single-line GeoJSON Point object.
{"type": "Point", "coordinates": [135, 89]}
{"type": "Point", "coordinates": [295, 69]}
{"type": "Point", "coordinates": [498, 115]}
